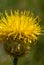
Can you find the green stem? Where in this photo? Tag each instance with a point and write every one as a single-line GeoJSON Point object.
{"type": "Point", "coordinates": [15, 61]}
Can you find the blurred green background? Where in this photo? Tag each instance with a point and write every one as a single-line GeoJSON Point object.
{"type": "Point", "coordinates": [36, 56]}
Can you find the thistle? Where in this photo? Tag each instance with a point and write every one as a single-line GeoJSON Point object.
{"type": "Point", "coordinates": [18, 31]}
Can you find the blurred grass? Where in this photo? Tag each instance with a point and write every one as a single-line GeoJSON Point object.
{"type": "Point", "coordinates": [36, 56]}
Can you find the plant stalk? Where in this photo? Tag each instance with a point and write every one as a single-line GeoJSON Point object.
{"type": "Point", "coordinates": [15, 60]}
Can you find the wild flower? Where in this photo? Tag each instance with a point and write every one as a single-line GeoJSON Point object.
{"type": "Point", "coordinates": [22, 27]}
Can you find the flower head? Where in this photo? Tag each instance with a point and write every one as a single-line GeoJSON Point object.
{"type": "Point", "coordinates": [20, 26]}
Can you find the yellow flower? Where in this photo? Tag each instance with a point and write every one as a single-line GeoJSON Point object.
{"type": "Point", "coordinates": [22, 24]}
{"type": "Point", "coordinates": [19, 30]}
